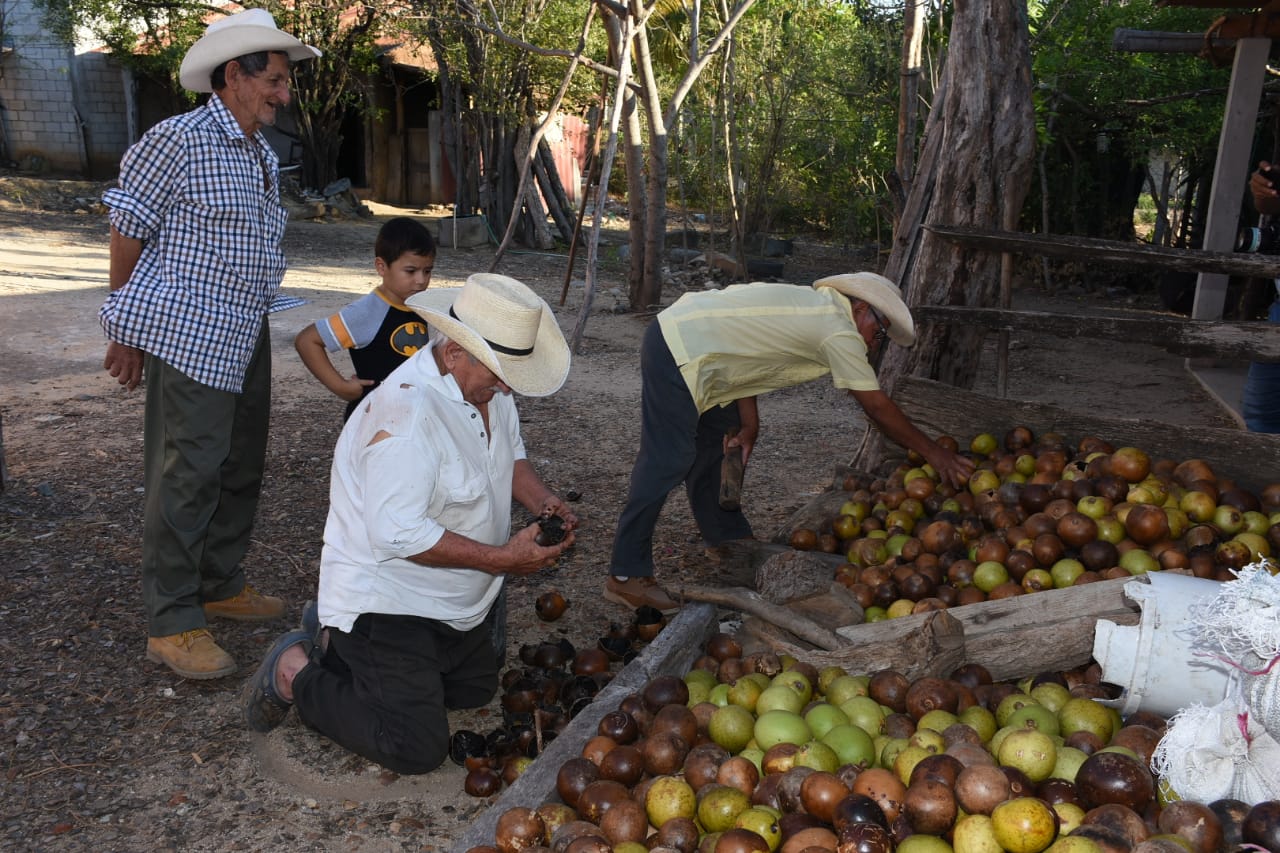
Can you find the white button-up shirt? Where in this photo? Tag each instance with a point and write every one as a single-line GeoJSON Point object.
{"type": "Point", "coordinates": [394, 498]}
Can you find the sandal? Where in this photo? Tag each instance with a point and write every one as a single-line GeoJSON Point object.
{"type": "Point", "coordinates": [264, 707]}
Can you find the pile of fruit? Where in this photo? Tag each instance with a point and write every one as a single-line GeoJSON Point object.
{"type": "Point", "coordinates": [761, 753]}
{"type": "Point", "coordinates": [1039, 513]}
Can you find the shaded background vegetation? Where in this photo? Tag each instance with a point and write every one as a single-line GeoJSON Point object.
{"type": "Point", "coordinates": [794, 123]}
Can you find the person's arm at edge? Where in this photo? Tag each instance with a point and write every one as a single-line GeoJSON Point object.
{"type": "Point", "coordinates": [1266, 195]}
{"type": "Point", "coordinates": [749, 415]}
{"type": "Point", "coordinates": [894, 423]}
{"type": "Point", "coordinates": [123, 363]}
{"type": "Point", "coordinates": [311, 350]}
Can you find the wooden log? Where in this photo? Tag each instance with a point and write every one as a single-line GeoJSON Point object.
{"type": "Point", "coordinates": [1256, 341]}
{"type": "Point", "coordinates": [929, 644]}
{"type": "Point", "coordinates": [791, 575]}
{"type": "Point", "coordinates": [738, 561]}
{"type": "Point", "coordinates": [552, 191]}
{"type": "Point", "coordinates": [1044, 631]}
{"type": "Point", "coordinates": [1248, 458]}
{"type": "Point", "coordinates": [835, 605]}
{"type": "Point", "coordinates": [749, 601]}
{"type": "Point", "coordinates": [1113, 252]}
{"type": "Point", "coordinates": [671, 653]}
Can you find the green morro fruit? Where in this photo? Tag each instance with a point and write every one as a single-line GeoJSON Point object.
{"type": "Point", "coordinates": [732, 727]}
{"type": "Point", "coordinates": [1080, 714]}
{"type": "Point", "coordinates": [851, 744]}
{"type": "Point", "coordinates": [1024, 825]}
{"type": "Point", "coordinates": [1032, 752]}
{"type": "Point", "coordinates": [779, 726]}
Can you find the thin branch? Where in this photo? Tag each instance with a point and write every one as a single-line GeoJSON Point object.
{"type": "Point", "coordinates": [577, 56]}
{"type": "Point", "coordinates": [697, 65]}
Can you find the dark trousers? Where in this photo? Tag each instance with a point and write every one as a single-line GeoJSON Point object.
{"type": "Point", "coordinates": [383, 691]}
{"type": "Point", "coordinates": [676, 446]}
{"type": "Point", "coordinates": [204, 453]}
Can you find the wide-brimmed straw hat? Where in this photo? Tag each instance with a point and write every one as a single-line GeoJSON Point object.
{"type": "Point", "coordinates": [881, 294]}
{"type": "Point", "coordinates": [246, 32]}
{"type": "Point", "coordinates": [505, 325]}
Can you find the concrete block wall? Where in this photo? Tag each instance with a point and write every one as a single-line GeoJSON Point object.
{"type": "Point", "coordinates": [100, 97]}
{"type": "Point", "coordinates": [35, 91]}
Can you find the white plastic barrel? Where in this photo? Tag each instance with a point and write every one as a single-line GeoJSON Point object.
{"type": "Point", "coordinates": [1156, 661]}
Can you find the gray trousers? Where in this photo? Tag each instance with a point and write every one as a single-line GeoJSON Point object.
{"type": "Point", "coordinates": [677, 445]}
{"type": "Point", "coordinates": [204, 453]}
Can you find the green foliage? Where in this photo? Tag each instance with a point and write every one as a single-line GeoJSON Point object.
{"type": "Point", "coordinates": [150, 38]}
{"type": "Point", "coordinates": [1102, 113]}
{"type": "Point", "coordinates": [815, 109]}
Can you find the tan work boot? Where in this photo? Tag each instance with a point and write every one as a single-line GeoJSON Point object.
{"type": "Point", "coordinates": [636, 592]}
{"type": "Point", "coordinates": [249, 606]}
{"type": "Point", "coordinates": [191, 654]}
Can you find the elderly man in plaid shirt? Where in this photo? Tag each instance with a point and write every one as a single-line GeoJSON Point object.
{"type": "Point", "coordinates": [196, 264]}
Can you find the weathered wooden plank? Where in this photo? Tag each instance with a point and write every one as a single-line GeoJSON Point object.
{"type": "Point", "coordinates": [1143, 41]}
{"type": "Point", "coordinates": [1113, 252]}
{"type": "Point", "coordinates": [1258, 341]}
{"type": "Point", "coordinates": [671, 653]}
{"type": "Point", "coordinates": [740, 559]}
{"type": "Point", "coordinates": [1044, 631]}
{"type": "Point", "coordinates": [1011, 637]}
{"type": "Point", "coordinates": [927, 644]}
{"type": "Point", "coordinates": [1251, 459]}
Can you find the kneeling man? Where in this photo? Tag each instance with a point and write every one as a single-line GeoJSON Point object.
{"type": "Point", "coordinates": [418, 538]}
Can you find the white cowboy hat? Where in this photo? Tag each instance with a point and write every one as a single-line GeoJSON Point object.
{"type": "Point", "coordinates": [881, 294]}
{"type": "Point", "coordinates": [246, 32]}
{"type": "Point", "coordinates": [504, 324]}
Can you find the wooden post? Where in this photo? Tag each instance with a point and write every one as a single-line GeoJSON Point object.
{"type": "Point", "coordinates": [1231, 170]}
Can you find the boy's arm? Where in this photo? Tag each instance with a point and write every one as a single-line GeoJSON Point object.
{"type": "Point", "coordinates": [311, 349]}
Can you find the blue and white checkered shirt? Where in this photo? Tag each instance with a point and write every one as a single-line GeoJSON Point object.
{"type": "Point", "coordinates": [204, 200]}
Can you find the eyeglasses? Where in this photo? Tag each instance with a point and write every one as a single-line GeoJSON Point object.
{"type": "Point", "coordinates": [882, 325]}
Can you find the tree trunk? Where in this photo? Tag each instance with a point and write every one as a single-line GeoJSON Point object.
{"type": "Point", "coordinates": [988, 133]}
{"type": "Point", "coordinates": [908, 100]}
{"type": "Point", "coordinates": [650, 294]}
{"type": "Point", "coordinates": [633, 162]}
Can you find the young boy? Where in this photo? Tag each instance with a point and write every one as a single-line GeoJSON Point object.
{"type": "Point", "coordinates": [378, 329]}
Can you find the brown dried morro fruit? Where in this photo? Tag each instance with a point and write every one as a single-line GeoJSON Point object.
{"type": "Point", "coordinates": [550, 606]}
{"type": "Point", "coordinates": [551, 530]}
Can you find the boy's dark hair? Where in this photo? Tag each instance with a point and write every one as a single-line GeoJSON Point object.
{"type": "Point", "coordinates": [401, 236]}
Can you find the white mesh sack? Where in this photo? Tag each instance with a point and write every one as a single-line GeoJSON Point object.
{"type": "Point", "coordinates": [1198, 754]}
{"type": "Point", "coordinates": [1214, 753]}
{"type": "Point", "coordinates": [1260, 689]}
{"type": "Point", "coordinates": [1243, 621]}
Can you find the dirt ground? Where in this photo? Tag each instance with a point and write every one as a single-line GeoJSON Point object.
{"type": "Point", "coordinates": [102, 750]}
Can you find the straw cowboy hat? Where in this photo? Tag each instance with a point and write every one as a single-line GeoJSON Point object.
{"type": "Point", "coordinates": [505, 325]}
{"type": "Point", "coordinates": [881, 294]}
{"type": "Point", "coordinates": [246, 32]}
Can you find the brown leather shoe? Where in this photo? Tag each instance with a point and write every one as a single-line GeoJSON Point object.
{"type": "Point", "coordinates": [249, 606]}
{"type": "Point", "coordinates": [636, 592]}
{"type": "Point", "coordinates": [191, 654]}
